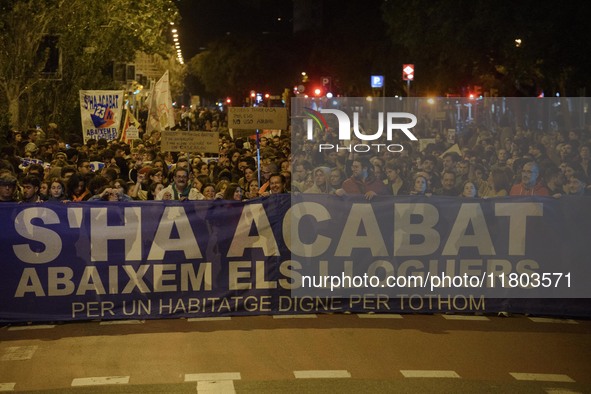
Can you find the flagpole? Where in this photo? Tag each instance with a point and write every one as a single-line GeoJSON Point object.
{"type": "Point", "coordinates": [259, 157]}
{"type": "Point", "coordinates": [125, 124]}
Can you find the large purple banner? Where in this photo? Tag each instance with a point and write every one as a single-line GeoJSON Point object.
{"type": "Point", "coordinates": [150, 260]}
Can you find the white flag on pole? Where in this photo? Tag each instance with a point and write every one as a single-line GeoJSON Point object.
{"type": "Point", "coordinates": [160, 110]}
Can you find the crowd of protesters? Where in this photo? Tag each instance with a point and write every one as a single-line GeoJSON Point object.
{"type": "Point", "coordinates": [39, 165]}
{"type": "Point", "coordinates": [475, 163]}
{"type": "Point", "coordinates": [44, 167]}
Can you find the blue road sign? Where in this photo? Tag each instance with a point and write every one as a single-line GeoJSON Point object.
{"type": "Point", "coordinates": [377, 81]}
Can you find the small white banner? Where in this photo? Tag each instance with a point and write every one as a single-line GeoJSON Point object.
{"type": "Point", "coordinates": [101, 111]}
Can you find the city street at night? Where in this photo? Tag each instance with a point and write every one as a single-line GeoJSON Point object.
{"type": "Point", "coordinates": [309, 353]}
{"type": "Point", "coordinates": [295, 196]}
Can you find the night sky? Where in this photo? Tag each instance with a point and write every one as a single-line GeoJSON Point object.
{"type": "Point", "coordinates": [203, 21]}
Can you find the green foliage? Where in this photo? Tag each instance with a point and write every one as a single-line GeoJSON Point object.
{"type": "Point", "coordinates": [237, 64]}
{"type": "Point", "coordinates": [92, 35]}
{"type": "Point", "coordinates": [460, 42]}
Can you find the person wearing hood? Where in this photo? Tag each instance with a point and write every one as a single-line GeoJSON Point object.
{"type": "Point", "coordinates": [530, 184]}
{"type": "Point", "coordinates": [321, 181]}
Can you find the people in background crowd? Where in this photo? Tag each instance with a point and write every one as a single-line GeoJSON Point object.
{"type": "Point", "coordinates": [530, 184]}
{"type": "Point", "coordinates": [394, 182]}
{"type": "Point", "coordinates": [277, 183]}
{"type": "Point", "coordinates": [419, 186]}
{"type": "Point", "coordinates": [469, 190]}
{"type": "Point", "coordinates": [448, 184]}
{"type": "Point", "coordinates": [321, 181]}
{"type": "Point", "coordinates": [77, 189]}
{"type": "Point", "coordinates": [498, 162]}
{"type": "Point", "coordinates": [154, 189]}
{"type": "Point", "coordinates": [30, 186]}
{"type": "Point", "coordinates": [180, 189]}
{"type": "Point", "coordinates": [233, 192]}
{"type": "Point", "coordinates": [362, 181]}
{"type": "Point", "coordinates": [57, 190]}
{"type": "Point", "coordinates": [252, 190]}
{"type": "Point", "coordinates": [111, 193]}
{"type": "Point", "coordinates": [577, 185]}
{"type": "Point", "coordinates": [497, 184]}
{"type": "Point", "coordinates": [208, 191]}
{"type": "Point", "coordinates": [8, 187]}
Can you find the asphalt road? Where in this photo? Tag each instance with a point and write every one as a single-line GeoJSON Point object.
{"type": "Point", "coordinates": [309, 354]}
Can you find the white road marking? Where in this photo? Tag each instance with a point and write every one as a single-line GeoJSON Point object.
{"type": "Point", "coordinates": [18, 353]}
{"type": "Point", "coordinates": [100, 381]}
{"type": "Point", "coordinates": [7, 386]}
{"type": "Point", "coordinates": [212, 377]}
{"type": "Point", "coordinates": [216, 387]}
{"type": "Point", "coordinates": [542, 377]}
{"type": "Point", "coordinates": [465, 317]}
{"type": "Point", "coordinates": [425, 373]}
{"type": "Point", "coordinates": [34, 327]}
{"type": "Point", "coordinates": [312, 316]}
{"type": "Point", "coordinates": [321, 374]}
{"type": "Point", "coordinates": [551, 320]}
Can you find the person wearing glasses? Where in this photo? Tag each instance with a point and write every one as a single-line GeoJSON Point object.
{"type": "Point", "coordinates": [266, 170]}
{"type": "Point", "coordinates": [530, 184]}
{"type": "Point", "coordinates": [180, 189]}
{"type": "Point", "coordinates": [83, 167]}
{"type": "Point", "coordinates": [8, 187]}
